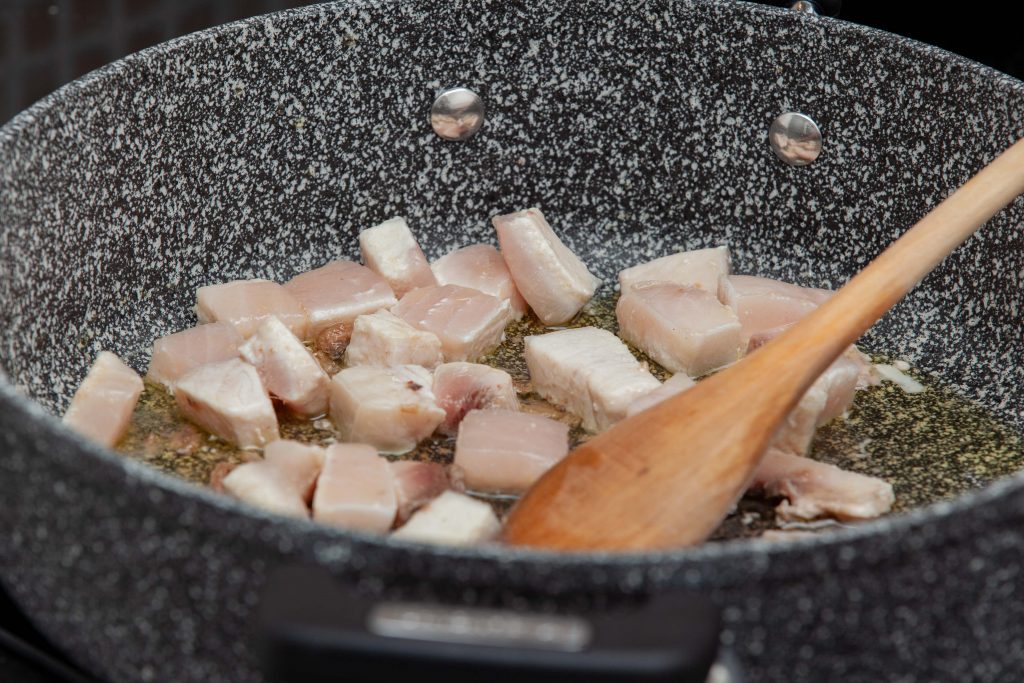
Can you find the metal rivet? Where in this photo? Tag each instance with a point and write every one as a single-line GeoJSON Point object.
{"type": "Point", "coordinates": [795, 138]}
{"type": "Point", "coordinates": [804, 6]}
{"type": "Point", "coordinates": [457, 114]}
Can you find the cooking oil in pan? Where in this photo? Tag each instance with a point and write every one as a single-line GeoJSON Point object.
{"type": "Point", "coordinates": [930, 446]}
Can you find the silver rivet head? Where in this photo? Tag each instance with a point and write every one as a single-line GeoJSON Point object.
{"type": "Point", "coordinates": [804, 6]}
{"type": "Point", "coordinates": [795, 138]}
{"type": "Point", "coordinates": [457, 114]}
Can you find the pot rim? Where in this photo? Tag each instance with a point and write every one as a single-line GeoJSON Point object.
{"type": "Point", "coordinates": [902, 524]}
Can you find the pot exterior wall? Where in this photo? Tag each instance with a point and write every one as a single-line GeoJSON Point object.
{"type": "Point", "coordinates": [261, 149]}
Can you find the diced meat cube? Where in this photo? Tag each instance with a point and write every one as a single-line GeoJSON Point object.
{"type": "Point", "coordinates": [589, 372]}
{"type": "Point", "coordinates": [700, 268]}
{"type": "Point", "coordinates": [282, 482]}
{"type": "Point", "coordinates": [178, 353]}
{"type": "Point", "coordinates": [507, 451]}
{"type": "Point", "coordinates": [391, 251]}
{"type": "Point", "coordinates": [229, 400]}
{"type": "Point", "coordinates": [676, 384]}
{"type": "Point", "coordinates": [416, 484]}
{"type": "Point", "coordinates": [462, 387]}
{"type": "Point", "coordinates": [334, 340]}
{"type": "Point", "coordinates": [480, 267]}
{"type": "Point", "coordinates": [468, 322]}
{"type": "Point", "coordinates": [356, 489]}
{"type": "Point", "coordinates": [382, 338]}
{"type": "Point", "coordinates": [452, 519]}
{"type": "Point", "coordinates": [815, 489]}
{"type": "Point", "coordinates": [828, 398]}
{"type": "Point", "coordinates": [101, 409]}
{"type": "Point", "coordinates": [336, 294]}
{"type": "Point", "coordinates": [762, 337]}
{"type": "Point", "coordinates": [391, 409]}
{"type": "Point", "coordinates": [551, 278]}
{"type": "Point", "coordinates": [287, 369]}
{"type": "Point", "coordinates": [245, 304]}
{"type": "Point", "coordinates": [684, 328]}
{"type": "Point", "coordinates": [762, 304]}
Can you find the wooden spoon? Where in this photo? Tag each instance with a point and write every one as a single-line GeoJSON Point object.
{"type": "Point", "coordinates": [669, 475]}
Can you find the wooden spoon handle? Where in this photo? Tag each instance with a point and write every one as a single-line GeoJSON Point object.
{"type": "Point", "coordinates": [669, 475]}
{"type": "Point", "coordinates": [872, 292]}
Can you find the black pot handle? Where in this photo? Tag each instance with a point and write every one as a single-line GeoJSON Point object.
{"type": "Point", "coordinates": [315, 630]}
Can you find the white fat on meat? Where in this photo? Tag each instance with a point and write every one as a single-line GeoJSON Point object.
{"type": "Point", "coordinates": [815, 489]}
{"type": "Point", "coordinates": [468, 322]}
{"type": "Point", "coordinates": [356, 489]}
{"type": "Point", "coordinates": [676, 384]}
{"type": "Point", "coordinates": [699, 268]}
{"type": "Point", "coordinates": [762, 304]}
{"type": "Point", "coordinates": [462, 387]}
{"type": "Point", "coordinates": [177, 354]}
{"type": "Point", "coordinates": [101, 409]}
{"type": "Point", "coordinates": [287, 368]}
{"type": "Point", "coordinates": [684, 328]}
{"type": "Point", "coordinates": [336, 294]}
{"type": "Point", "coordinates": [553, 280]}
{"type": "Point", "coordinates": [588, 371]}
{"type": "Point", "coordinates": [452, 519]}
{"type": "Point", "coordinates": [384, 339]}
{"type": "Point", "coordinates": [282, 482]}
{"type": "Point", "coordinates": [245, 304]}
{"type": "Point", "coordinates": [228, 399]}
{"type": "Point", "coordinates": [481, 267]}
{"type": "Point", "coordinates": [507, 451]}
{"type": "Point", "coordinates": [392, 409]}
{"type": "Point", "coordinates": [391, 251]}
{"type": "Point", "coordinates": [416, 484]}
{"type": "Point", "coordinates": [828, 398]}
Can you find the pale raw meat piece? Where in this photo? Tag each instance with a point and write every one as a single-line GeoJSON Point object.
{"type": "Point", "coordinates": [676, 384]}
{"type": "Point", "coordinates": [700, 268]}
{"type": "Point", "coordinates": [759, 339]}
{"type": "Point", "coordinates": [815, 489]}
{"type": "Point", "coordinates": [899, 378]}
{"type": "Point", "coordinates": [287, 369]}
{"type": "Point", "coordinates": [828, 398]}
{"type": "Point", "coordinates": [338, 293]}
{"type": "Point", "coordinates": [762, 304]}
{"type": "Point", "coordinates": [356, 489]}
{"type": "Point", "coordinates": [462, 387]}
{"type": "Point", "coordinates": [866, 377]}
{"type": "Point", "coordinates": [684, 328]}
{"type": "Point", "coordinates": [468, 322]}
{"type": "Point", "coordinates": [229, 400]}
{"type": "Point", "coordinates": [245, 304]}
{"type": "Point", "coordinates": [589, 372]}
{"type": "Point", "coordinates": [452, 519]}
{"type": "Point", "coordinates": [181, 352]}
{"type": "Point", "coordinates": [507, 451]}
{"type": "Point", "coordinates": [550, 277]}
{"type": "Point", "coordinates": [384, 339]}
{"type": "Point", "coordinates": [481, 267]}
{"type": "Point", "coordinates": [416, 484]}
{"type": "Point", "coordinates": [101, 409]}
{"type": "Point", "coordinates": [391, 251]}
{"type": "Point", "coordinates": [282, 482]}
{"type": "Point", "coordinates": [392, 409]}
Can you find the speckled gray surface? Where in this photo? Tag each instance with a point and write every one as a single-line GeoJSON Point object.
{"type": "Point", "coordinates": [262, 148]}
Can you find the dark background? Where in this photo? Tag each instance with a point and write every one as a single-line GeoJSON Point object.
{"type": "Point", "coordinates": [46, 43]}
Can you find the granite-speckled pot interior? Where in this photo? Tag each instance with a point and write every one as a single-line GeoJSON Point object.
{"type": "Point", "coordinates": [260, 149]}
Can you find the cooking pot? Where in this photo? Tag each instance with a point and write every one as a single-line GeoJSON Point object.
{"type": "Point", "coordinates": [261, 148]}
